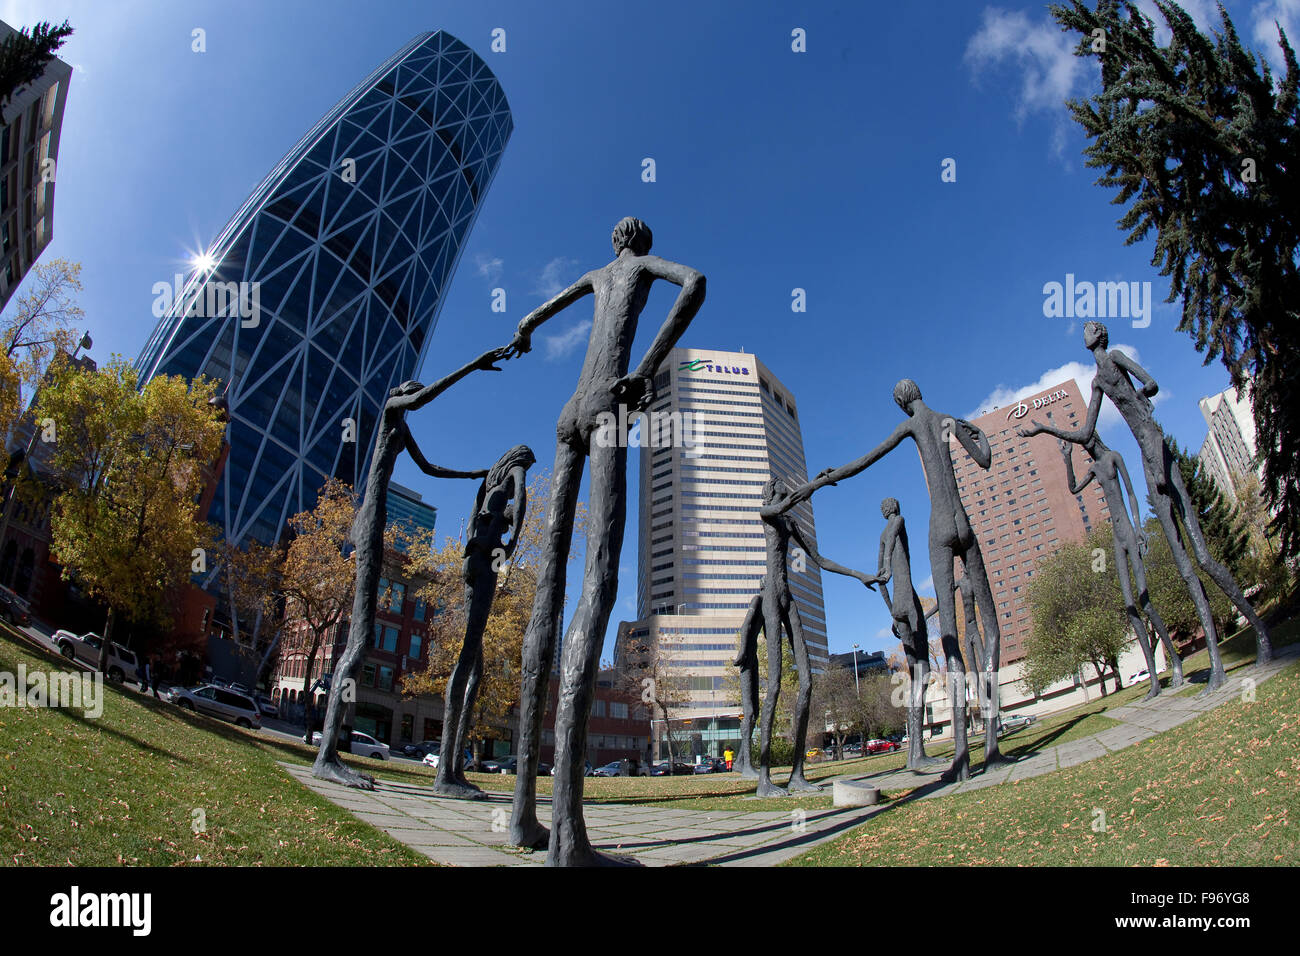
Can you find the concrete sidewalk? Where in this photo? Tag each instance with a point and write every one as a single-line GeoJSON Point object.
{"type": "Point", "coordinates": [1139, 720]}
{"type": "Point", "coordinates": [474, 833]}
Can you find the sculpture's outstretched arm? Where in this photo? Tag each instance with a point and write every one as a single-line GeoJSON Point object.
{"type": "Point", "coordinates": [519, 477]}
{"type": "Point", "coordinates": [522, 341]}
{"type": "Point", "coordinates": [974, 441]}
{"type": "Point", "coordinates": [826, 564]}
{"type": "Point", "coordinates": [688, 303]}
{"type": "Point", "coordinates": [434, 471]}
{"type": "Point", "coordinates": [749, 631]}
{"type": "Point", "coordinates": [636, 389]}
{"type": "Point", "coordinates": [832, 475]}
{"type": "Point", "coordinates": [1080, 437]}
{"type": "Point", "coordinates": [1074, 487]}
{"type": "Point", "coordinates": [1149, 386]}
{"type": "Point", "coordinates": [1132, 495]}
{"type": "Point", "coordinates": [409, 403]}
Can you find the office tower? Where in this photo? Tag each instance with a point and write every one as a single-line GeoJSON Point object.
{"type": "Point", "coordinates": [1229, 448]}
{"type": "Point", "coordinates": [1021, 508]}
{"type": "Point", "coordinates": [323, 291]}
{"type": "Point", "coordinates": [701, 551]}
{"type": "Point", "coordinates": [29, 150]}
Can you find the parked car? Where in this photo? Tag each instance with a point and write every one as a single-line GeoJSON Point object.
{"type": "Point", "coordinates": [219, 702]}
{"type": "Point", "coordinates": [511, 765]}
{"type": "Point", "coordinates": [433, 755]}
{"type": "Point", "coordinates": [1139, 676]}
{"type": "Point", "coordinates": [881, 746]}
{"type": "Point", "coordinates": [609, 770]}
{"type": "Point", "coordinates": [421, 750]}
{"type": "Point", "coordinates": [265, 706]}
{"type": "Point", "coordinates": [711, 765]}
{"type": "Point", "coordinates": [85, 648]}
{"type": "Point", "coordinates": [14, 608]}
{"type": "Point", "coordinates": [1014, 722]}
{"type": "Point", "coordinates": [363, 745]}
{"type": "Point", "coordinates": [677, 769]}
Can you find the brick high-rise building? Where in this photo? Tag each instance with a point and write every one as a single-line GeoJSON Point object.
{"type": "Point", "coordinates": [1022, 508]}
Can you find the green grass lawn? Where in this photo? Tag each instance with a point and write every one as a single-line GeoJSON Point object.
{"type": "Point", "coordinates": [1218, 790]}
{"type": "Point", "coordinates": [124, 788]}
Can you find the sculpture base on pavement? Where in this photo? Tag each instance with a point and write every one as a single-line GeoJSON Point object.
{"type": "Point", "coordinates": [854, 793]}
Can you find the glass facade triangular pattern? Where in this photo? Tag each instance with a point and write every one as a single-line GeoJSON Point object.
{"type": "Point", "coordinates": [349, 276]}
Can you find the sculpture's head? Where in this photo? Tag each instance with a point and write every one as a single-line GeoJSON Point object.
{"type": "Point", "coordinates": [889, 507]}
{"type": "Point", "coordinates": [521, 456]}
{"type": "Point", "coordinates": [1094, 334]}
{"type": "Point", "coordinates": [905, 393]}
{"type": "Point", "coordinates": [632, 234]}
{"type": "Point", "coordinates": [409, 387]}
{"type": "Point", "coordinates": [773, 489]}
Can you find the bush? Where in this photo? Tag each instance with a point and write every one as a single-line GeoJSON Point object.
{"type": "Point", "coordinates": [782, 751]}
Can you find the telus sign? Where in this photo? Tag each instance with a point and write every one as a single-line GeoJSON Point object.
{"type": "Point", "coordinates": [708, 365]}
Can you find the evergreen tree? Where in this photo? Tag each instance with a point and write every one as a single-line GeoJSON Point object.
{"type": "Point", "coordinates": [1201, 145]}
{"type": "Point", "coordinates": [24, 55]}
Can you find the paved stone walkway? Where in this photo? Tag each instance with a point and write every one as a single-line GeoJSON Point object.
{"type": "Point", "coordinates": [1139, 720]}
{"type": "Point", "coordinates": [474, 833]}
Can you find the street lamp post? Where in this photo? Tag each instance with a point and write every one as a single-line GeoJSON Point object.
{"type": "Point", "coordinates": [856, 686]}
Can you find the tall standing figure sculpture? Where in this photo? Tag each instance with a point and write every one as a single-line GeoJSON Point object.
{"type": "Point", "coordinates": [781, 613]}
{"type": "Point", "coordinates": [747, 660]}
{"type": "Point", "coordinates": [392, 438]}
{"type": "Point", "coordinates": [620, 289]}
{"type": "Point", "coordinates": [499, 509]}
{"type": "Point", "coordinates": [909, 627]}
{"type": "Point", "coordinates": [1168, 494]}
{"type": "Point", "coordinates": [1130, 544]}
{"type": "Point", "coordinates": [951, 534]}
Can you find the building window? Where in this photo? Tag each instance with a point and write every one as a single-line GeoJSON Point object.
{"type": "Point", "coordinates": [417, 645]}
{"type": "Point", "coordinates": [368, 675]}
{"type": "Point", "coordinates": [385, 681]}
{"type": "Point", "coordinates": [408, 726]}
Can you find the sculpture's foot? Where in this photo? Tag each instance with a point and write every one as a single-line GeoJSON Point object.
{"type": "Point", "coordinates": [997, 760]}
{"type": "Point", "coordinates": [800, 785]}
{"type": "Point", "coordinates": [1153, 693]}
{"type": "Point", "coordinates": [458, 790]}
{"type": "Point", "coordinates": [586, 856]}
{"type": "Point", "coordinates": [766, 788]}
{"type": "Point", "coordinates": [749, 773]}
{"type": "Point", "coordinates": [531, 835]}
{"type": "Point", "coordinates": [959, 770]}
{"type": "Point", "coordinates": [1214, 683]}
{"type": "Point", "coordinates": [336, 772]}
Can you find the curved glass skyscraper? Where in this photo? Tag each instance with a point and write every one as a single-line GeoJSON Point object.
{"type": "Point", "coordinates": [323, 291]}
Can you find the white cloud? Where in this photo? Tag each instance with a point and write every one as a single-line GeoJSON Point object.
{"type": "Point", "coordinates": [1267, 17]}
{"type": "Point", "coordinates": [927, 586]}
{"type": "Point", "coordinates": [1050, 72]}
{"type": "Point", "coordinates": [1081, 372]}
{"type": "Point", "coordinates": [554, 276]}
{"type": "Point", "coordinates": [884, 633]}
{"type": "Point", "coordinates": [489, 267]}
{"type": "Point", "coordinates": [566, 343]}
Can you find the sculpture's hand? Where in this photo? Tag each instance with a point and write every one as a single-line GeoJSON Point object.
{"type": "Point", "coordinates": [488, 362]}
{"type": "Point", "coordinates": [634, 390]}
{"type": "Point", "coordinates": [1142, 542]}
{"type": "Point", "coordinates": [824, 475]}
{"type": "Point", "coordinates": [1036, 428]}
{"type": "Point", "coordinates": [521, 343]}
{"type": "Point", "coordinates": [1150, 390]}
{"type": "Point", "coordinates": [869, 580]}
{"type": "Point", "coordinates": [1065, 447]}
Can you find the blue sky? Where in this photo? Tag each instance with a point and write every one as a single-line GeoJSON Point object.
{"type": "Point", "coordinates": [775, 170]}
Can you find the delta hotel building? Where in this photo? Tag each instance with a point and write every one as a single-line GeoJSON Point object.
{"type": "Point", "coordinates": [701, 552]}
{"type": "Point", "coordinates": [1021, 508]}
